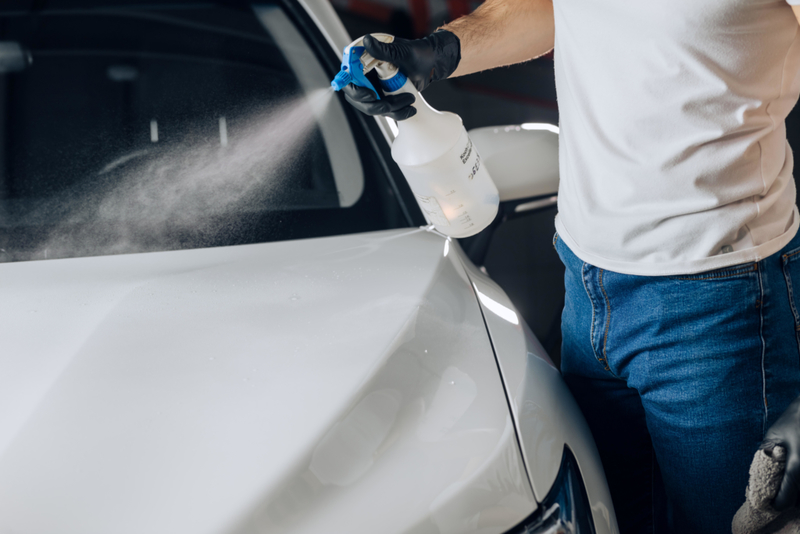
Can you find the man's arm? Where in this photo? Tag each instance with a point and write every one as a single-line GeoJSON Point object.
{"type": "Point", "coordinates": [503, 32]}
{"type": "Point", "coordinates": [796, 10]}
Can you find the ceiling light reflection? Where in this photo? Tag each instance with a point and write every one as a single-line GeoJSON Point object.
{"type": "Point", "coordinates": [498, 309]}
{"type": "Point", "coordinates": [540, 126]}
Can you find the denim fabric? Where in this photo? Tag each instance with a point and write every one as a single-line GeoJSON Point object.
{"type": "Point", "coordinates": [679, 377]}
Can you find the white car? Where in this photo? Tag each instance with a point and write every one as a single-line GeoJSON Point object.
{"type": "Point", "coordinates": [222, 311]}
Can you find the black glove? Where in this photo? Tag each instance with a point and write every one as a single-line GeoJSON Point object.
{"type": "Point", "coordinates": [422, 60]}
{"type": "Point", "coordinates": [786, 433]}
{"type": "Point", "coordinates": [397, 107]}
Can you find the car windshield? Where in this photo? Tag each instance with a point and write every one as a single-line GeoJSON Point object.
{"type": "Point", "coordinates": [165, 126]}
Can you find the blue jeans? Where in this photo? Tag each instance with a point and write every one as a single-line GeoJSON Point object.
{"type": "Point", "coordinates": [679, 377]}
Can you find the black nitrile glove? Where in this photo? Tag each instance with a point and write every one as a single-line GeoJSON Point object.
{"type": "Point", "coordinates": [397, 107]}
{"type": "Point", "coordinates": [423, 61]}
{"type": "Point", "coordinates": [786, 433]}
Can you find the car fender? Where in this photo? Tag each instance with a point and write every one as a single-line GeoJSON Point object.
{"type": "Point", "coordinates": [544, 411]}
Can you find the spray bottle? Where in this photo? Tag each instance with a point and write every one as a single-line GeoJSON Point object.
{"type": "Point", "coordinates": [437, 157]}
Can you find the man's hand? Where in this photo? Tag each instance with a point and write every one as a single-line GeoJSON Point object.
{"type": "Point", "coordinates": [397, 107]}
{"type": "Point", "coordinates": [786, 433]}
{"type": "Point", "coordinates": [423, 61]}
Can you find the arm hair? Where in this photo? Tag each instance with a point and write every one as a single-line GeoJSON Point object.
{"type": "Point", "coordinates": [503, 32]}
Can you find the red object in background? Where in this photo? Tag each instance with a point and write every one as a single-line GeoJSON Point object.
{"type": "Point", "coordinates": [458, 8]}
{"type": "Point", "coordinates": [370, 9]}
{"type": "Point", "coordinates": [420, 15]}
{"type": "Point", "coordinates": [418, 10]}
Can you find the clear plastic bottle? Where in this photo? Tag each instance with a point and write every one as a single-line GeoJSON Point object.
{"type": "Point", "coordinates": [443, 168]}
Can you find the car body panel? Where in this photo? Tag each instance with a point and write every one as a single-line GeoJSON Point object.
{"type": "Point", "coordinates": [328, 22]}
{"type": "Point", "coordinates": [545, 412]}
{"type": "Point", "coordinates": [523, 161]}
{"type": "Point", "coordinates": [339, 384]}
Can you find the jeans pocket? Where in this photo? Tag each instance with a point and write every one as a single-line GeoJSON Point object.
{"type": "Point", "coordinates": [743, 269]}
{"type": "Point", "coordinates": [791, 272]}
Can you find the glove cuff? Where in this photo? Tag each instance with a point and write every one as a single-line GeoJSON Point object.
{"type": "Point", "coordinates": [447, 51]}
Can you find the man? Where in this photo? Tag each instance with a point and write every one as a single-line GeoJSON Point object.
{"type": "Point", "coordinates": [677, 225]}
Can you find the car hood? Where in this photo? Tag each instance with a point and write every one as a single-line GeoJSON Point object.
{"type": "Point", "coordinates": [323, 385]}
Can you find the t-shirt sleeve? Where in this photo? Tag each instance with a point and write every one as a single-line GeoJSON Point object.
{"type": "Point", "coordinates": [793, 2]}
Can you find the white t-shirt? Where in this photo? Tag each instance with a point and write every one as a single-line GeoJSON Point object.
{"type": "Point", "coordinates": [673, 151]}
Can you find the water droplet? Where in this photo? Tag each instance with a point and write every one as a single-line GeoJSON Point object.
{"type": "Point", "coordinates": [452, 383]}
{"type": "Point", "coordinates": [294, 297]}
{"type": "Point", "coordinates": [426, 351]}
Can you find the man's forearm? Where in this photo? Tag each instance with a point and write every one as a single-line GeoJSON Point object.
{"type": "Point", "coordinates": [503, 32]}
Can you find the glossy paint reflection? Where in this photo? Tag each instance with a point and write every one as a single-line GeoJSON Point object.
{"type": "Point", "coordinates": [346, 452]}
{"type": "Point", "coordinates": [504, 312]}
{"type": "Point", "coordinates": [453, 397]}
{"type": "Point", "coordinates": [327, 385]}
{"type": "Point", "coordinates": [438, 451]}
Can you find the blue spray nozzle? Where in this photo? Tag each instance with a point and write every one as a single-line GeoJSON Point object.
{"type": "Point", "coordinates": [352, 71]}
{"type": "Point", "coordinates": [341, 80]}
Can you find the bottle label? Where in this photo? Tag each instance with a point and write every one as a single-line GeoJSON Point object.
{"type": "Point", "coordinates": [475, 167]}
{"type": "Point", "coordinates": [435, 213]}
{"type": "Point", "coordinates": [467, 152]}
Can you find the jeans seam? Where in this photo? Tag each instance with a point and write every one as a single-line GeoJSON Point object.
{"type": "Point", "coordinates": [600, 359]}
{"type": "Point", "coordinates": [763, 351]}
{"type": "Point", "coordinates": [608, 320]}
{"type": "Point", "coordinates": [726, 274]}
{"type": "Point", "coordinates": [591, 301]}
{"type": "Point", "coordinates": [790, 289]}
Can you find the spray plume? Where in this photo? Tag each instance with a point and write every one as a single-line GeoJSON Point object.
{"type": "Point", "coordinates": [149, 199]}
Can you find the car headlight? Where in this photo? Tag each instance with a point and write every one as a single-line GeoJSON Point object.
{"type": "Point", "coordinates": [566, 508]}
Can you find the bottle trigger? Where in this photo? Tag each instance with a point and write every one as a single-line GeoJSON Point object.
{"type": "Point", "coordinates": [352, 71]}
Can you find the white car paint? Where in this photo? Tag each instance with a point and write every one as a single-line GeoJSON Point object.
{"type": "Point", "coordinates": [546, 414]}
{"type": "Point", "coordinates": [523, 162]}
{"type": "Point", "coordinates": [334, 384]}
